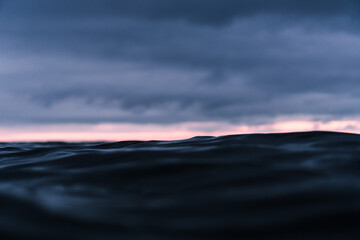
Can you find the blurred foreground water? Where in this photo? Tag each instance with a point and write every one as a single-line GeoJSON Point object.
{"type": "Point", "coordinates": [257, 186]}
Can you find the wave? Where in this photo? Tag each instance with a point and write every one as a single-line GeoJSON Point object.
{"type": "Point", "coordinates": [257, 186]}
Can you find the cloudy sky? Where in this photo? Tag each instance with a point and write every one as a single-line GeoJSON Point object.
{"type": "Point", "coordinates": [120, 69]}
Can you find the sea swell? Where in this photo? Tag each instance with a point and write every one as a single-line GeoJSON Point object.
{"type": "Point", "coordinates": [256, 186]}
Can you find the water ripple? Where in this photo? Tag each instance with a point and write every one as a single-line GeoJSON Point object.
{"type": "Point", "coordinates": [256, 186]}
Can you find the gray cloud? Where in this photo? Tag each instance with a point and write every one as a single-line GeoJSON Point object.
{"type": "Point", "coordinates": [152, 61]}
{"type": "Point", "coordinates": [213, 12]}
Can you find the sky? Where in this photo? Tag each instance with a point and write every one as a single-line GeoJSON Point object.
{"type": "Point", "coordinates": [160, 69]}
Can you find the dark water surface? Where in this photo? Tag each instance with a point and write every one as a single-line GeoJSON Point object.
{"type": "Point", "coordinates": [259, 186]}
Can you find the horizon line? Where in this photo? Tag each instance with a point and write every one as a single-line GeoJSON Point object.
{"type": "Point", "coordinates": [113, 132]}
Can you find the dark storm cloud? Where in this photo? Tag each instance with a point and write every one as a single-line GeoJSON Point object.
{"type": "Point", "coordinates": [172, 61]}
{"type": "Point", "coordinates": [199, 11]}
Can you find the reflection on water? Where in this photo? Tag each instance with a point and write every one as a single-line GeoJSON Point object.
{"type": "Point", "coordinates": [260, 186]}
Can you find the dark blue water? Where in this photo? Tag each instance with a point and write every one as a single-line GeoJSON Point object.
{"type": "Point", "coordinates": [261, 186]}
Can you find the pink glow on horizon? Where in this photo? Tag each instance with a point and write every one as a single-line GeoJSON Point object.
{"type": "Point", "coordinates": [119, 132]}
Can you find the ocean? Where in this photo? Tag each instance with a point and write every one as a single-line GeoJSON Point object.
{"type": "Point", "coordinates": [302, 185]}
